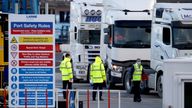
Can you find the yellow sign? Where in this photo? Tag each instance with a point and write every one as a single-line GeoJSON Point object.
{"type": "Point", "coordinates": [33, 39]}
{"type": "Point", "coordinates": [14, 40]}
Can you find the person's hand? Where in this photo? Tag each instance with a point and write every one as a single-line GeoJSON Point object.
{"type": "Point", "coordinates": [71, 80]}
{"type": "Point", "coordinates": [91, 82]}
{"type": "Point", "coordinates": [104, 83]}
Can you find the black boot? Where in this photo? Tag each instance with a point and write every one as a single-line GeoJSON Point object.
{"type": "Point", "coordinates": [101, 99]}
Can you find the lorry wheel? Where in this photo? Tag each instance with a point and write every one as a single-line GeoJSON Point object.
{"type": "Point", "coordinates": [127, 84]}
{"type": "Point", "coordinates": [109, 84]}
{"type": "Point", "coordinates": [160, 86]}
{"type": "Point", "coordinates": [76, 80]}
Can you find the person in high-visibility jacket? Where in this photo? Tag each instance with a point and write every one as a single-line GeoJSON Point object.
{"type": "Point", "coordinates": [67, 74]}
{"type": "Point", "coordinates": [98, 77]}
{"type": "Point", "coordinates": [136, 76]}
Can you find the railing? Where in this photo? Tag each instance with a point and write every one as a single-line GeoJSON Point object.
{"type": "Point", "coordinates": [87, 91]}
{"type": "Point", "coordinates": [78, 92]}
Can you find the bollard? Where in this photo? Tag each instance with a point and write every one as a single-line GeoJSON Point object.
{"type": "Point", "coordinates": [46, 99]}
{"type": "Point", "coordinates": [5, 95]}
{"type": "Point", "coordinates": [109, 99]}
{"type": "Point", "coordinates": [25, 98]}
{"type": "Point", "coordinates": [87, 98]}
{"type": "Point", "coordinates": [67, 100]}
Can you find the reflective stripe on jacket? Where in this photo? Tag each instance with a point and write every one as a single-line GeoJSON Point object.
{"type": "Point", "coordinates": [66, 69]}
{"type": "Point", "coordinates": [97, 72]}
{"type": "Point", "coordinates": [137, 74]}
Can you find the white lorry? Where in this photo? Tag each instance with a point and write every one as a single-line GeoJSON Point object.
{"type": "Point", "coordinates": [85, 34]}
{"type": "Point", "coordinates": [126, 36]}
{"type": "Point", "coordinates": [171, 37]}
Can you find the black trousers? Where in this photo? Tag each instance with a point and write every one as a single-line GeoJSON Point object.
{"type": "Point", "coordinates": [95, 87]}
{"type": "Point", "coordinates": [136, 90]}
{"type": "Point", "coordinates": [66, 84]}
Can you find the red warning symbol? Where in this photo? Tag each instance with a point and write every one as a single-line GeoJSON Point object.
{"type": "Point", "coordinates": [14, 54]}
{"type": "Point", "coordinates": [13, 63]}
{"type": "Point", "coordinates": [13, 47]}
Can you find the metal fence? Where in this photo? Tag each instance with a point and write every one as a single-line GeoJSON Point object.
{"type": "Point", "coordinates": [112, 97]}
{"type": "Point", "coordinates": [85, 94]}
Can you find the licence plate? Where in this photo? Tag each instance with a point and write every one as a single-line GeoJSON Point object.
{"type": "Point", "coordinates": [81, 72]}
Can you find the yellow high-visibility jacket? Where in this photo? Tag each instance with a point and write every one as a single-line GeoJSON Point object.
{"type": "Point", "coordinates": [66, 69]}
{"type": "Point", "coordinates": [97, 72]}
{"type": "Point", "coordinates": [137, 74]}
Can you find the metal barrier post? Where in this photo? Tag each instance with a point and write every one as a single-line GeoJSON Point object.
{"type": "Point", "coordinates": [109, 104]}
{"type": "Point", "coordinates": [57, 100]}
{"type": "Point", "coordinates": [87, 98]}
{"type": "Point", "coordinates": [67, 98]}
{"type": "Point", "coordinates": [46, 99]}
{"type": "Point", "coordinates": [77, 98]}
{"type": "Point", "coordinates": [119, 93]}
{"type": "Point", "coordinates": [25, 98]}
{"type": "Point", "coordinates": [98, 93]}
{"type": "Point", "coordinates": [5, 94]}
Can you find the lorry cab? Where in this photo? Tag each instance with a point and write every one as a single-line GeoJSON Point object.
{"type": "Point", "coordinates": [126, 37]}
{"type": "Point", "coordinates": [171, 37]}
{"type": "Point", "coordinates": [85, 34]}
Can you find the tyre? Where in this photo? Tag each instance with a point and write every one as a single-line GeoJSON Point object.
{"type": "Point", "coordinates": [160, 86]}
{"type": "Point", "coordinates": [128, 84]}
{"type": "Point", "coordinates": [76, 80]}
{"type": "Point", "coordinates": [109, 84]}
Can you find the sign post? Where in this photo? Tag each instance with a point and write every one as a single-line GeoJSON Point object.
{"type": "Point", "coordinates": [31, 60]}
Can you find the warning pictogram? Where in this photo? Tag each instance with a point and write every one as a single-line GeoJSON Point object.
{"type": "Point", "coordinates": [13, 47]}
{"type": "Point", "coordinates": [14, 63]}
{"type": "Point", "coordinates": [14, 54]}
{"type": "Point", "coordinates": [14, 40]}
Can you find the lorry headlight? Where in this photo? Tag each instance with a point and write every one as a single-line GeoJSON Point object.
{"type": "Point", "coordinates": [92, 12]}
{"type": "Point", "coordinates": [98, 12]}
{"type": "Point", "coordinates": [86, 12]}
{"type": "Point", "coordinates": [117, 68]}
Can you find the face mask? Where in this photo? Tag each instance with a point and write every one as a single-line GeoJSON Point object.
{"type": "Point", "coordinates": [138, 63]}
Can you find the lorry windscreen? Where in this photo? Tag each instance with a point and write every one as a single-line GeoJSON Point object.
{"type": "Point", "coordinates": [89, 37]}
{"type": "Point", "coordinates": [131, 37]}
{"type": "Point", "coordinates": [182, 38]}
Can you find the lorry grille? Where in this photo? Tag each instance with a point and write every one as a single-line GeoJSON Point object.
{"type": "Point", "coordinates": [92, 55]}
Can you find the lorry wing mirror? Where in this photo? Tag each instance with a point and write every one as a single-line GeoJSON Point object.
{"type": "Point", "coordinates": [75, 30]}
{"type": "Point", "coordinates": [106, 39]}
{"type": "Point", "coordinates": [106, 30]}
{"type": "Point", "coordinates": [75, 36]}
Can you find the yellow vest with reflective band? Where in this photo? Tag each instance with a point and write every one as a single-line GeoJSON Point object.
{"type": "Point", "coordinates": [97, 72]}
{"type": "Point", "coordinates": [137, 74]}
{"type": "Point", "coordinates": [66, 69]}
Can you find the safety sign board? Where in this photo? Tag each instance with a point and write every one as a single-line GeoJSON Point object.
{"type": "Point", "coordinates": [32, 56]}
